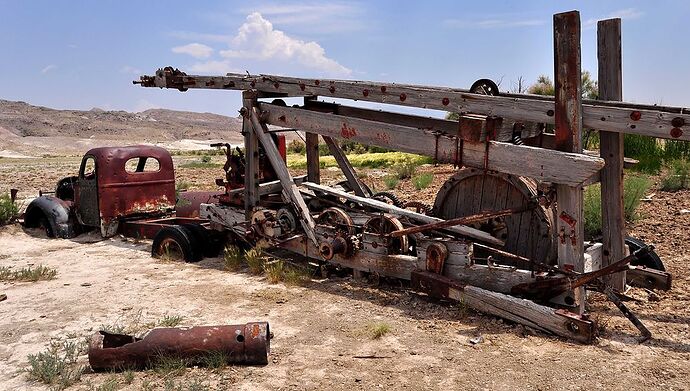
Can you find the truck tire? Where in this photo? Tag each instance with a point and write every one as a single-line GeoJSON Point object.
{"type": "Point", "coordinates": [176, 242]}
{"type": "Point", "coordinates": [211, 243]}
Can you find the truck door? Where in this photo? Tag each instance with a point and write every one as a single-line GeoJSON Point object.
{"type": "Point", "coordinates": [86, 197]}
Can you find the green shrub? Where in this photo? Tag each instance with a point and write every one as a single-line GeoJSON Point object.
{"type": "Point", "coordinates": [56, 366]}
{"type": "Point", "coordinates": [171, 320]}
{"type": "Point", "coordinates": [296, 146]}
{"type": "Point", "coordinates": [365, 160]}
{"type": "Point", "coordinates": [677, 177]}
{"type": "Point", "coordinates": [232, 258]}
{"type": "Point", "coordinates": [274, 271]}
{"type": "Point", "coordinates": [676, 149]}
{"type": "Point", "coordinates": [646, 150]}
{"type": "Point", "coordinates": [378, 330]}
{"type": "Point", "coordinates": [255, 260]}
{"type": "Point", "coordinates": [634, 188]}
{"type": "Point", "coordinates": [422, 181]}
{"type": "Point", "coordinates": [206, 159]}
{"type": "Point", "coordinates": [404, 169]}
{"type": "Point", "coordinates": [391, 181]}
{"type": "Point", "coordinates": [8, 209]}
{"type": "Point", "coordinates": [38, 273]}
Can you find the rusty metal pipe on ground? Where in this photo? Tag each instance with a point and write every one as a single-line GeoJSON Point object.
{"type": "Point", "coordinates": [241, 344]}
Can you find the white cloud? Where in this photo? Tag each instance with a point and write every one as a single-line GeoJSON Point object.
{"type": "Point", "coordinates": [257, 39]}
{"type": "Point", "coordinates": [48, 68]}
{"type": "Point", "coordinates": [197, 50]}
{"type": "Point", "coordinates": [627, 14]}
{"type": "Point", "coordinates": [130, 70]}
{"type": "Point", "coordinates": [321, 17]}
{"type": "Point", "coordinates": [493, 23]}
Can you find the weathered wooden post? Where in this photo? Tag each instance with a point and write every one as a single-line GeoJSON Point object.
{"type": "Point", "coordinates": [568, 129]}
{"type": "Point", "coordinates": [251, 153]}
{"type": "Point", "coordinates": [311, 141]}
{"type": "Point", "coordinates": [611, 147]}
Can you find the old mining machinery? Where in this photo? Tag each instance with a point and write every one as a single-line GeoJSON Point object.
{"type": "Point", "coordinates": [505, 233]}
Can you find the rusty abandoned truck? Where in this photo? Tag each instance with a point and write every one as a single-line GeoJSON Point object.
{"type": "Point", "coordinates": [128, 191]}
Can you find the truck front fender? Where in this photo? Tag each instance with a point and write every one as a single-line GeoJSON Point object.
{"type": "Point", "coordinates": [54, 215]}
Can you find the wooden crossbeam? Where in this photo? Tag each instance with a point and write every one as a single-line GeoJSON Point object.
{"type": "Point", "coordinates": [656, 121]}
{"type": "Point", "coordinates": [543, 164]}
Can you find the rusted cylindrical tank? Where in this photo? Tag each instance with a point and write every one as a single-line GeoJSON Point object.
{"type": "Point", "coordinates": [241, 344]}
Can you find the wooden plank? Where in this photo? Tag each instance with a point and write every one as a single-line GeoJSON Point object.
{"type": "Point", "coordinates": [611, 149]}
{"type": "Point", "coordinates": [521, 311]}
{"type": "Point", "coordinates": [462, 230]}
{"type": "Point", "coordinates": [313, 164]}
{"type": "Point", "coordinates": [251, 148]}
{"type": "Point", "coordinates": [473, 121]}
{"type": "Point", "coordinates": [568, 121]}
{"type": "Point", "coordinates": [290, 190]}
{"type": "Point", "coordinates": [270, 187]}
{"type": "Point", "coordinates": [352, 179]}
{"type": "Point", "coordinates": [643, 277]}
{"type": "Point", "coordinates": [538, 163]}
{"type": "Point", "coordinates": [655, 121]}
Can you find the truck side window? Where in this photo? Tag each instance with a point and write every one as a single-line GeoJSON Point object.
{"type": "Point", "coordinates": [142, 164]}
{"type": "Point", "coordinates": [88, 169]}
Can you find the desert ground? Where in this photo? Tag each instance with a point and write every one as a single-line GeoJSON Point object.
{"type": "Point", "coordinates": [321, 331]}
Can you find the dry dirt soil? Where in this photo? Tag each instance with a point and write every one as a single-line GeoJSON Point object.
{"type": "Point", "coordinates": [321, 330]}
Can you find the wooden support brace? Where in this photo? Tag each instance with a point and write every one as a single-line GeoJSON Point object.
{"type": "Point", "coordinates": [568, 130]}
{"type": "Point", "coordinates": [542, 164]}
{"type": "Point", "coordinates": [526, 312]}
{"type": "Point", "coordinates": [346, 167]}
{"type": "Point", "coordinates": [611, 149]}
{"type": "Point", "coordinates": [313, 164]}
{"type": "Point", "coordinates": [290, 190]}
{"type": "Point", "coordinates": [251, 152]}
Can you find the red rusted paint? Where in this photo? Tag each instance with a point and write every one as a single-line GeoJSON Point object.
{"type": "Point", "coordinates": [242, 344]}
{"type": "Point", "coordinates": [383, 89]}
{"type": "Point", "coordinates": [281, 118]}
{"type": "Point", "coordinates": [347, 132]}
{"type": "Point", "coordinates": [276, 85]}
{"type": "Point", "coordinates": [317, 82]}
{"type": "Point", "coordinates": [331, 89]}
{"type": "Point", "coordinates": [403, 96]}
{"type": "Point", "coordinates": [676, 132]}
{"type": "Point", "coordinates": [302, 86]}
{"type": "Point", "coordinates": [635, 115]}
{"type": "Point", "coordinates": [445, 101]}
{"type": "Point", "coordinates": [568, 219]}
{"type": "Point", "coordinates": [383, 137]}
{"type": "Point", "coordinates": [436, 255]}
{"type": "Point", "coordinates": [365, 92]}
{"type": "Point", "coordinates": [122, 193]}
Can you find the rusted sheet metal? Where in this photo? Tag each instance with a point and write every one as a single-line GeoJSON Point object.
{"type": "Point", "coordinates": [123, 193]}
{"type": "Point", "coordinates": [242, 344]}
{"type": "Point", "coordinates": [188, 202]}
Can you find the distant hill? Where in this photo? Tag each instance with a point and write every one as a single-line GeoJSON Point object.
{"type": "Point", "coordinates": [24, 127]}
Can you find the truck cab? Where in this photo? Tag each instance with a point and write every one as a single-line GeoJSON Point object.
{"type": "Point", "coordinates": [113, 184]}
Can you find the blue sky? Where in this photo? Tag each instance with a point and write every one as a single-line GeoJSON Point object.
{"type": "Point", "coordinates": [84, 54]}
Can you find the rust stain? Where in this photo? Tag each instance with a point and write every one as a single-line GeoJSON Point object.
{"type": "Point", "coordinates": [445, 101]}
{"type": "Point", "coordinates": [635, 115]}
{"type": "Point", "coordinates": [365, 92]}
{"type": "Point", "coordinates": [347, 132]}
{"type": "Point", "coordinates": [383, 137]}
{"type": "Point", "coordinates": [676, 132]}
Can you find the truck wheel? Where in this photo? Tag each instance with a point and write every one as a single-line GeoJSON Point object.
{"type": "Point", "coordinates": [176, 242]}
{"type": "Point", "coordinates": [210, 242]}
